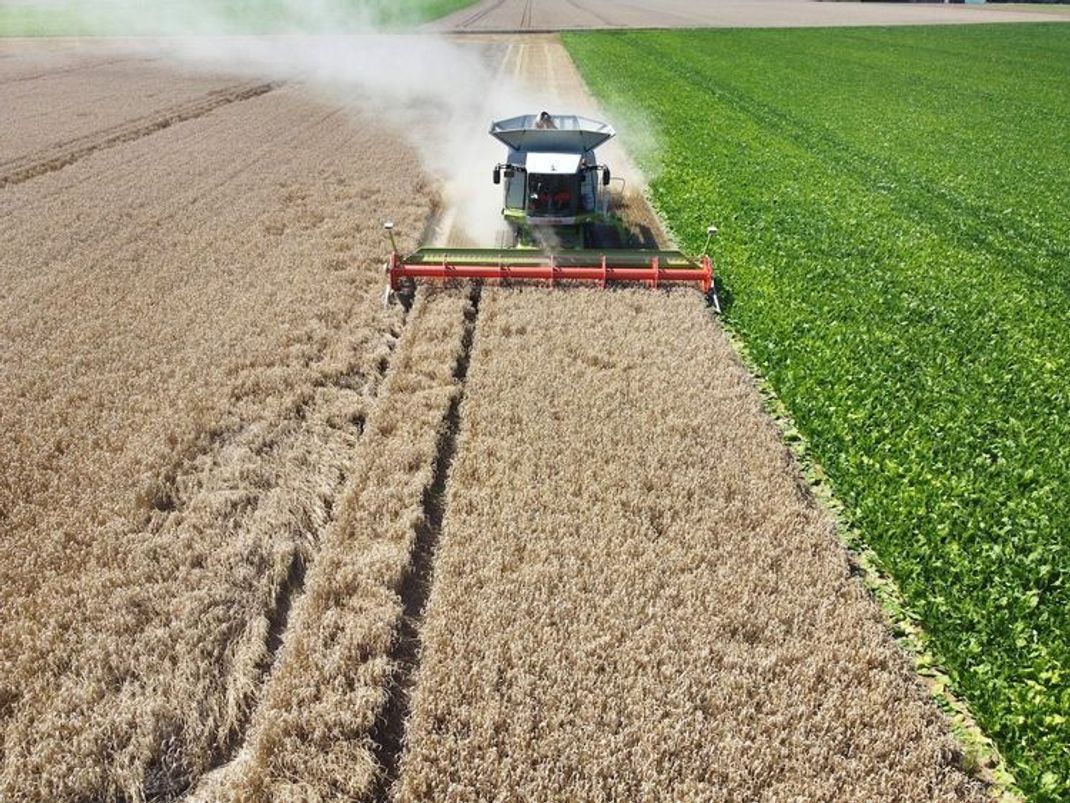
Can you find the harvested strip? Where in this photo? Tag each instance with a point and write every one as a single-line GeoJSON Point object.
{"type": "Point", "coordinates": [313, 737]}
{"type": "Point", "coordinates": [191, 335]}
{"type": "Point", "coordinates": [634, 597]}
{"type": "Point", "coordinates": [52, 99]}
{"type": "Point", "coordinates": [62, 154]}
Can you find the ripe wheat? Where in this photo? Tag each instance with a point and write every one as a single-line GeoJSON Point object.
{"type": "Point", "coordinates": [191, 335]}
{"type": "Point", "coordinates": [634, 597]}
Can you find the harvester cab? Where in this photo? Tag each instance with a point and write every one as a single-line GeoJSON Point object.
{"type": "Point", "coordinates": [555, 194]}
{"type": "Point", "coordinates": [554, 187]}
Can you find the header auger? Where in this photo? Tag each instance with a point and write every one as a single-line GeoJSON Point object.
{"type": "Point", "coordinates": [556, 205]}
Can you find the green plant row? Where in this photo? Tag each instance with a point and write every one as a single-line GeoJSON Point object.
{"type": "Point", "coordinates": [894, 207]}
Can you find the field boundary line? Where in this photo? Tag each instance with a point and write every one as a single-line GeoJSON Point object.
{"type": "Point", "coordinates": [981, 756]}
{"type": "Point", "coordinates": [59, 156]}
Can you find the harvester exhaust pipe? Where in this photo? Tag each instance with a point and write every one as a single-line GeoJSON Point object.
{"type": "Point", "coordinates": [389, 226]}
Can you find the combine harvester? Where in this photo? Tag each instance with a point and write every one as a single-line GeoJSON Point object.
{"type": "Point", "coordinates": [557, 208]}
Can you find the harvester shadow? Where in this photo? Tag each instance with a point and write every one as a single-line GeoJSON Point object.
{"type": "Point", "coordinates": [623, 233]}
{"type": "Point", "coordinates": [644, 236]}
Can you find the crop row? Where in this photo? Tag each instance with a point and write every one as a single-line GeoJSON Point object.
{"type": "Point", "coordinates": [316, 732]}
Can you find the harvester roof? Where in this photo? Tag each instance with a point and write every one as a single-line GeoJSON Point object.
{"type": "Point", "coordinates": [572, 134]}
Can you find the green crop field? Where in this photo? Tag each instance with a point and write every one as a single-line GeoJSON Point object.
{"type": "Point", "coordinates": [130, 18]}
{"type": "Point", "coordinates": [894, 207]}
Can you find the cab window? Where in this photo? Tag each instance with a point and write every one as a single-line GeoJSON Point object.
{"type": "Point", "coordinates": [555, 196]}
{"type": "Point", "coordinates": [514, 190]}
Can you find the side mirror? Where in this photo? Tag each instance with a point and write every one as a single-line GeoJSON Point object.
{"type": "Point", "coordinates": [605, 176]}
{"type": "Point", "coordinates": [497, 174]}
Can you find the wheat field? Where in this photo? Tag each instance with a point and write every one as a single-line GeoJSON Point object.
{"type": "Point", "coordinates": [265, 539]}
{"type": "Point", "coordinates": [191, 336]}
{"type": "Point", "coordinates": [634, 597]}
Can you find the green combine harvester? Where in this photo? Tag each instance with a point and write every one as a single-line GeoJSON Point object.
{"type": "Point", "coordinates": [556, 205]}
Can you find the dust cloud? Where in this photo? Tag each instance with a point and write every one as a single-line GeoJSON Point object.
{"type": "Point", "coordinates": [439, 95]}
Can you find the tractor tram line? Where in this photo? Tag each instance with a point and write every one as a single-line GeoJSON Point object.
{"type": "Point", "coordinates": [388, 735]}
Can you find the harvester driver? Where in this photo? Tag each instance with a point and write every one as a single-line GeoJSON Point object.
{"type": "Point", "coordinates": [545, 121]}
